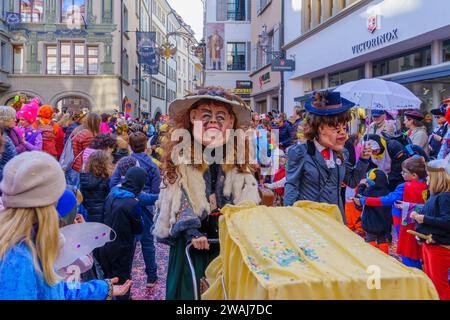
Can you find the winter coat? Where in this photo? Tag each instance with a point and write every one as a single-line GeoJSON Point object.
{"type": "Point", "coordinates": [95, 190]}
{"type": "Point", "coordinates": [437, 218]}
{"type": "Point", "coordinates": [435, 145]}
{"type": "Point", "coordinates": [68, 130]}
{"type": "Point", "coordinates": [21, 281]}
{"type": "Point", "coordinates": [293, 129]}
{"type": "Point", "coordinates": [309, 178]}
{"type": "Point", "coordinates": [16, 139]}
{"type": "Point", "coordinates": [79, 143]}
{"type": "Point", "coordinates": [104, 128]}
{"type": "Point", "coordinates": [419, 136]}
{"type": "Point", "coordinates": [285, 134]}
{"type": "Point", "coordinates": [376, 220]}
{"type": "Point", "coordinates": [153, 174]}
{"type": "Point", "coordinates": [123, 214]}
{"type": "Point", "coordinates": [185, 209]}
{"type": "Point", "coordinates": [8, 153]}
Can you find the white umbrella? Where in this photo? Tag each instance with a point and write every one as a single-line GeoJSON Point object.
{"type": "Point", "coordinates": [377, 94]}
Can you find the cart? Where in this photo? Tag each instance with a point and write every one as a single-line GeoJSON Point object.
{"type": "Point", "coordinates": [192, 269]}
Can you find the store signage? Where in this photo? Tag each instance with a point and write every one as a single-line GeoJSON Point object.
{"type": "Point", "coordinates": [244, 84]}
{"type": "Point", "coordinates": [282, 65]}
{"type": "Point", "coordinates": [265, 78]}
{"type": "Point", "coordinates": [242, 91]}
{"type": "Point", "coordinates": [375, 42]}
{"type": "Point", "coordinates": [13, 18]}
{"type": "Point", "coordinates": [372, 23]}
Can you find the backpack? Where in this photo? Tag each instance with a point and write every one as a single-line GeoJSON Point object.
{"type": "Point", "coordinates": [409, 149]}
{"type": "Point", "coordinates": [67, 157]}
{"type": "Point", "coordinates": [48, 138]}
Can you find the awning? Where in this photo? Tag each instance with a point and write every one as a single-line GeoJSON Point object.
{"type": "Point", "coordinates": [423, 74]}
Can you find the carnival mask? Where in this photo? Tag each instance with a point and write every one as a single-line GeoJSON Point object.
{"type": "Point", "coordinates": [211, 124]}
{"type": "Point", "coordinates": [333, 137]}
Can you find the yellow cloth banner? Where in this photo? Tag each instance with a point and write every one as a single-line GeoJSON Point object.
{"type": "Point", "coordinates": [304, 252]}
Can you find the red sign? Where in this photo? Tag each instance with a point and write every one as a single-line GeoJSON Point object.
{"type": "Point", "coordinates": [372, 23]}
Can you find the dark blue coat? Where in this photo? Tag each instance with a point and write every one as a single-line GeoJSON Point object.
{"type": "Point", "coordinates": [437, 218]}
{"type": "Point", "coordinates": [376, 220]}
{"type": "Point", "coordinates": [95, 190]}
{"type": "Point", "coordinates": [309, 178]}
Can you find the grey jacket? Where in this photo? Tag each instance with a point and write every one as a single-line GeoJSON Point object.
{"type": "Point", "coordinates": [308, 178]}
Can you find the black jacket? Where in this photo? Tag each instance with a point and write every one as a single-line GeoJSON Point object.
{"type": "Point", "coordinates": [123, 215]}
{"type": "Point", "coordinates": [95, 190]}
{"type": "Point", "coordinates": [437, 218]}
{"type": "Point", "coordinates": [376, 220]}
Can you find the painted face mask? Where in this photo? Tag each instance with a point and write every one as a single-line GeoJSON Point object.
{"type": "Point", "coordinates": [79, 240]}
{"type": "Point", "coordinates": [211, 124]}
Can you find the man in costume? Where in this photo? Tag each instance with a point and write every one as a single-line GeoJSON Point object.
{"type": "Point", "coordinates": [193, 192]}
{"type": "Point", "coordinates": [316, 170]}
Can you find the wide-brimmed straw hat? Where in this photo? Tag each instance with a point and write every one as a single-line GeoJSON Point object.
{"type": "Point", "coordinates": [242, 111]}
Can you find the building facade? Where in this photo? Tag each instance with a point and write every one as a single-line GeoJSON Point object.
{"type": "Point", "coordinates": [228, 45]}
{"type": "Point", "coordinates": [266, 95]}
{"type": "Point", "coordinates": [62, 52]}
{"type": "Point", "coordinates": [335, 42]}
{"type": "Point", "coordinates": [82, 54]}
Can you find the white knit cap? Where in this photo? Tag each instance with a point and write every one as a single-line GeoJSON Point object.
{"type": "Point", "coordinates": [32, 180]}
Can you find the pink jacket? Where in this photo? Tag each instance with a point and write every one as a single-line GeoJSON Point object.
{"type": "Point", "coordinates": [104, 128]}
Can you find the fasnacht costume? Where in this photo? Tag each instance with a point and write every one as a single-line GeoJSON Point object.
{"type": "Point", "coordinates": [188, 208]}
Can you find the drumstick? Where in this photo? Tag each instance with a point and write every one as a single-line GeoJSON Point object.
{"type": "Point", "coordinates": [428, 238]}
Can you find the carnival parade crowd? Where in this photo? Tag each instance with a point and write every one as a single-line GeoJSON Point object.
{"type": "Point", "coordinates": [60, 168]}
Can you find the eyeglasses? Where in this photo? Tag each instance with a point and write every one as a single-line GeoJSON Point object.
{"type": "Point", "coordinates": [404, 172]}
{"type": "Point", "coordinates": [340, 128]}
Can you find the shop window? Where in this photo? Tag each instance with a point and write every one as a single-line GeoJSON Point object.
{"type": "Point", "coordinates": [446, 49]}
{"type": "Point", "coordinates": [31, 11]}
{"type": "Point", "coordinates": [236, 56]}
{"type": "Point", "coordinates": [407, 61]}
{"type": "Point", "coordinates": [339, 78]}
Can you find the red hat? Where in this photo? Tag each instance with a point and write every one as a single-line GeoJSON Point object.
{"type": "Point", "coordinates": [414, 114]}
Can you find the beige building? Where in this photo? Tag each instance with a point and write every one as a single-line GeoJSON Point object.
{"type": "Point", "coordinates": [266, 95]}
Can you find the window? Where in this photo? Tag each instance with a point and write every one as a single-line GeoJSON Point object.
{"type": "Point", "coordinates": [3, 55]}
{"type": "Point", "coordinates": [125, 19]}
{"type": "Point", "coordinates": [79, 58]}
{"type": "Point", "coordinates": [407, 61]}
{"type": "Point", "coordinates": [318, 83]}
{"type": "Point", "coordinates": [72, 11]}
{"type": "Point", "coordinates": [92, 60]}
{"type": "Point", "coordinates": [339, 78]}
{"type": "Point", "coordinates": [72, 58]}
{"type": "Point", "coordinates": [18, 59]}
{"type": "Point", "coordinates": [158, 90]}
{"type": "Point", "coordinates": [31, 11]}
{"type": "Point", "coordinates": [446, 48]}
{"type": "Point", "coordinates": [236, 10]}
{"type": "Point", "coordinates": [52, 56]}
{"type": "Point", "coordinates": [125, 65]}
{"type": "Point", "coordinates": [262, 4]}
{"type": "Point", "coordinates": [236, 56]}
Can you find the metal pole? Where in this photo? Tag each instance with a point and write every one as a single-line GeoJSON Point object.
{"type": "Point", "coordinates": [282, 84]}
{"type": "Point", "coordinates": [121, 57]}
{"type": "Point", "coordinates": [139, 60]}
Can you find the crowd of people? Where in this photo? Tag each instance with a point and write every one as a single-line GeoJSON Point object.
{"type": "Point", "coordinates": [391, 183]}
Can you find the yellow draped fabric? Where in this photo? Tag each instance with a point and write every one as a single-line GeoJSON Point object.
{"type": "Point", "coordinates": [304, 252]}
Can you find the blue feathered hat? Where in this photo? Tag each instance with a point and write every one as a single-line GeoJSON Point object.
{"type": "Point", "coordinates": [327, 103]}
